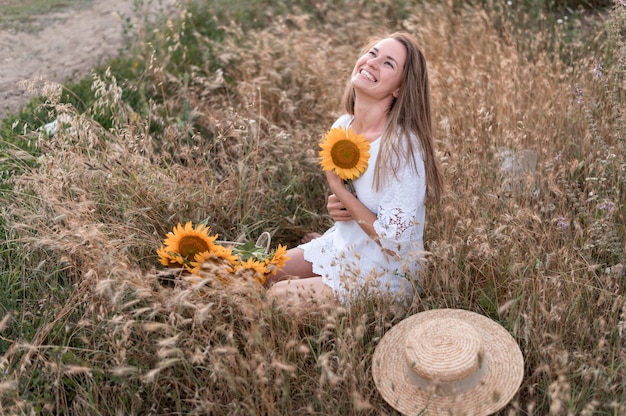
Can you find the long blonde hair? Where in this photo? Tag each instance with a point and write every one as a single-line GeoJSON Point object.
{"type": "Point", "coordinates": [408, 116]}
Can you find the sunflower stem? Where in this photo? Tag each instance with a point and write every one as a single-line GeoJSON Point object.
{"type": "Point", "coordinates": [349, 185]}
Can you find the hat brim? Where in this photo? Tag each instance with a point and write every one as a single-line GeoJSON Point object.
{"type": "Point", "coordinates": [502, 378]}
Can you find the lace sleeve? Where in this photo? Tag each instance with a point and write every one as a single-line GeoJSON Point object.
{"type": "Point", "coordinates": [401, 211]}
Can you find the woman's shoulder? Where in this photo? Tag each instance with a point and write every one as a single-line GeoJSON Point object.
{"type": "Point", "coordinates": [342, 121]}
{"type": "Point", "coordinates": [406, 154]}
{"type": "Point", "coordinates": [408, 143]}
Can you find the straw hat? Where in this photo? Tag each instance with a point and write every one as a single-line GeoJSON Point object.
{"type": "Point", "coordinates": [447, 362]}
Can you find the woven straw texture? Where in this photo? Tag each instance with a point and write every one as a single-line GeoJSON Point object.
{"type": "Point", "coordinates": [443, 352]}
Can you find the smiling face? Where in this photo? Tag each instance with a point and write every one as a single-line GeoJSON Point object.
{"type": "Point", "coordinates": [379, 71]}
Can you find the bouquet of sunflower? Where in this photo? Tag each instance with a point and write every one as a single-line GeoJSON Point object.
{"type": "Point", "coordinates": [200, 254]}
{"type": "Point", "coordinates": [345, 153]}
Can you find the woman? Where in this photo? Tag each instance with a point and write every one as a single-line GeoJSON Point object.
{"type": "Point", "coordinates": [377, 237]}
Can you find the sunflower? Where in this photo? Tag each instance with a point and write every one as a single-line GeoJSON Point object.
{"type": "Point", "coordinates": [169, 258]}
{"type": "Point", "coordinates": [277, 260]}
{"type": "Point", "coordinates": [187, 241]}
{"type": "Point", "coordinates": [256, 267]}
{"type": "Point", "coordinates": [205, 259]}
{"type": "Point", "coordinates": [220, 257]}
{"type": "Point", "coordinates": [344, 152]}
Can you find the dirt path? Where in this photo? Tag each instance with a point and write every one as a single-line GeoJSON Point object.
{"type": "Point", "coordinates": [73, 43]}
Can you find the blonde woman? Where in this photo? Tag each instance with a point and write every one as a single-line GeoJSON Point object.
{"type": "Point", "coordinates": [376, 241]}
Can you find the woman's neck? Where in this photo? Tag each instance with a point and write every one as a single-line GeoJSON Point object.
{"type": "Point", "coordinates": [369, 119]}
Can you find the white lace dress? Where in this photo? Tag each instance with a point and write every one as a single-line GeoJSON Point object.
{"type": "Point", "coordinates": [349, 261]}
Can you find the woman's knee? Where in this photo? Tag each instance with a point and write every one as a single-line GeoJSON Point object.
{"type": "Point", "coordinates": [295, 267]}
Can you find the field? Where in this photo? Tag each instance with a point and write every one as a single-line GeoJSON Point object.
{"type": "Point", "coordinates": [215, 118]}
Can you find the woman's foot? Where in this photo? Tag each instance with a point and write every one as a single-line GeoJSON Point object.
{"type": "Point", "coordinates": [309, 236]}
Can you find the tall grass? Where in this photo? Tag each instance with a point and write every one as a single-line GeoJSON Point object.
{"type": "Point", "coordinates": [224, 129]}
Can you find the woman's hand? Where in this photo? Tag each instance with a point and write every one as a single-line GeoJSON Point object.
{"type": "Point", "coordinates": [337, 210]}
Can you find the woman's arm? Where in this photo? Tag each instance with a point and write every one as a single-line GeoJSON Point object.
{"type": "Point", "coordinates": [401, 209]}
{"type": "Point", "coordinates": [354, 209]}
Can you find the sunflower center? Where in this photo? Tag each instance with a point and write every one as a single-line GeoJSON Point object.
{"type": "Point", "coordinates": [345, 154]}
{"type": "Point", "coordinates": [191, 245]}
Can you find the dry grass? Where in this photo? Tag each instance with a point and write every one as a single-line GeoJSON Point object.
{"type": "Point", "coordinates": [543, 254]}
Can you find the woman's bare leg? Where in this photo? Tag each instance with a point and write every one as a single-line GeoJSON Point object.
{"type": "Point", "coordinates": [295, 268]}
{"type": "Point", "coordinates": [296, 284]}
{"type": "Point", "coordinates": [301, 293]}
